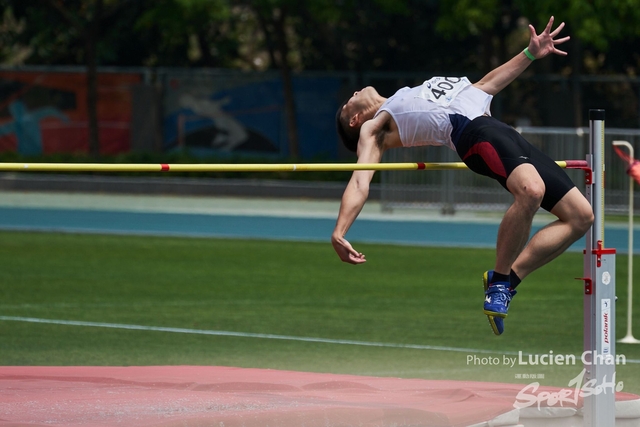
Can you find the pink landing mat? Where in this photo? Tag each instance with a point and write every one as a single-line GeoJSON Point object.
{"type": "Point", "coordinates": [201, 396]}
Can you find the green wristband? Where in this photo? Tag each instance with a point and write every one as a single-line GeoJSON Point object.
{"type": "Point", "coordinates": [529, 54]}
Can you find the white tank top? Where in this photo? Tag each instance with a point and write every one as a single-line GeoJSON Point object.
{"type": "Point", "coordinates": [430, 113]}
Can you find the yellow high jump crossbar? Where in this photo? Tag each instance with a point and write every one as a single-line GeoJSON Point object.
{"type": "Point", "coordinates": [245, 167]}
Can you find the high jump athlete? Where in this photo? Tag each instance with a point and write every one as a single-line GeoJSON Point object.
{"type": "Point", "coordinates": [453, 112]}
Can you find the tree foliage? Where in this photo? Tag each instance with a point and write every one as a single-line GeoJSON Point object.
{"type": "Point", "coordinates": [189, 33]}
{"type": "Point", "coordinates": [391, 35]}
{"type": "Point", "coordinates": [598, 23]}
{"type": "Point", "coordinates": [597, 27]}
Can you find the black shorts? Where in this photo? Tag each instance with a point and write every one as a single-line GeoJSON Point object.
{"type": "Point", "coordinates": [494, 149]}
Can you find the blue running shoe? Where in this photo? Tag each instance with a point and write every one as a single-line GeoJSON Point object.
{"type": "Point", "coordinates": [496, 320]}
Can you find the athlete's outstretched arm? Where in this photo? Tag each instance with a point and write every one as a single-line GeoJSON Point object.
{"type": "Point", "coordinates": [355, 195]}
{"type": "Point", "coordinates": [540, 45]}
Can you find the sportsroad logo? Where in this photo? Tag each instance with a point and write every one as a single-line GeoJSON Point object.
{"type": "Point", "coordinates": [530, 396]}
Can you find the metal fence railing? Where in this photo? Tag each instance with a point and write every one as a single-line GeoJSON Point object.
{"type": "Point", "coordinates": [454, 190]}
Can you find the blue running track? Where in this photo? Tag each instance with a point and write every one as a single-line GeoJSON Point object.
{"type": "Point", "coordinates": [422, 233]}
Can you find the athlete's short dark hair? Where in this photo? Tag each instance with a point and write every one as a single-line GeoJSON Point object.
{"type": "Point", "coordinates": [348, 135]}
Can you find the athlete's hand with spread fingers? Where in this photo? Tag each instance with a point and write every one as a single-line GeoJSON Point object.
{"type": "Point", "coordinates": [543, 44]}
{"type": "Point", "coordinates": [346, 252]}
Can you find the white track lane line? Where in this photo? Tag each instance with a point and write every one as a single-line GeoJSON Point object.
{"type": "Point", "coordinates": [262, 336]}
{"type": "Point", "coordinates": [245, 335]}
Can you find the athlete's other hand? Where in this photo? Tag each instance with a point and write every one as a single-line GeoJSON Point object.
{"type": "Point", "coordinates": [543, 44]}
{"type": "Point", "coordinates": [346, 252]}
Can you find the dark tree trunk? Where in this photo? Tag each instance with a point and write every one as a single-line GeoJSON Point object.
{"type": "Point", "coordinates": [576, 87]}
{"type": "Point", "coordinates": [92, 93]}
{"type": "Point", "coordinates": [287, 83]}
{"type": "Point", "coordinates": [91, 58]}
{"type": "Point", "coordinates": [274, 29]}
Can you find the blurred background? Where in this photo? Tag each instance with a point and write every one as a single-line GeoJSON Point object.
{"type": "Point", "coordinates": [260, 81]}
{"type": "Point", "coordinates": [239, 81]}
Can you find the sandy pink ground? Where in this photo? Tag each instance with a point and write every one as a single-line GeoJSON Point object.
{"type": "Point", "coordinates": [228, 397]}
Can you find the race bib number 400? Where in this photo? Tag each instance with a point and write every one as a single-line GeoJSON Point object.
{"type": "Point", "coordinates": [443, 90]}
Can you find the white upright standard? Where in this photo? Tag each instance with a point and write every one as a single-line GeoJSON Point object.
{"type": "Point", "coordinates": [629, 338]}
{"type": "Point", "coordinates": [599, 294]}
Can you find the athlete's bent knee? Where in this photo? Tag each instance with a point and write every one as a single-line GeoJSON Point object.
{"type": "Point", "coordinates": [526, 186]}
{"type": "Point", "coordinates": [582, 219]}
{"type": "Point", "coordinates": [535, 192]}
{"type": "Point", "coordinates": [530, 194]}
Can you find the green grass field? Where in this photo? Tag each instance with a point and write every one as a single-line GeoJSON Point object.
{"type": "Point", "coordinates": [402, 295]}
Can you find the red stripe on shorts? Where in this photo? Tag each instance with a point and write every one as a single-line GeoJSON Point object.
{"type": "Point", "coordinates": [490, 157]}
